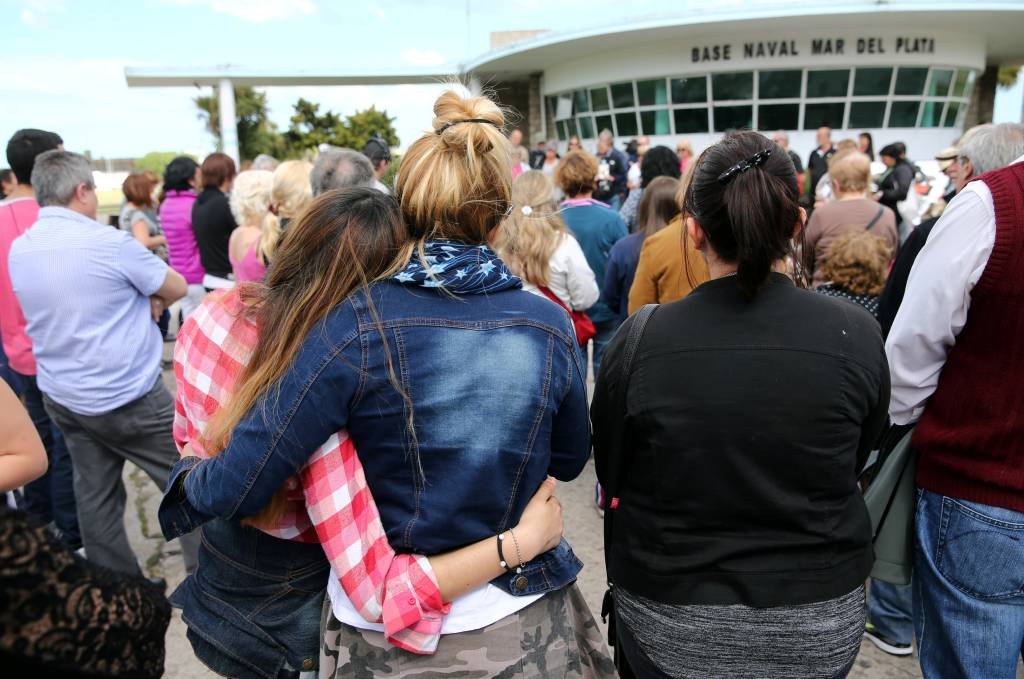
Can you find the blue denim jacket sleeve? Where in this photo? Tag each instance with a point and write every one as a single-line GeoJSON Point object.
{"type": "Point", "coordinates": [570, 428]}
{"type": "Point", "coordinates": [276, 437]}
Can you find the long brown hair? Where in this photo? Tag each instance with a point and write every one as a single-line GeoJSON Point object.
{"type": "Point", "coordinates": [345, 239]}
{"type": "Point", "coordinates": [658, 205]}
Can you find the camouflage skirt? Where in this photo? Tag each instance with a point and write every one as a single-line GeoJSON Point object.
{"type": "Point", "coordinates": [553, 637]}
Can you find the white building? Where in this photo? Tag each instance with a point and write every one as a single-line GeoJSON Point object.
{"type": "Point", "coordinates": [903, 70]}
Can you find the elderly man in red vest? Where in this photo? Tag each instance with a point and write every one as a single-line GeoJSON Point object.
{"type": "Point", "coordinates": [956, 353]}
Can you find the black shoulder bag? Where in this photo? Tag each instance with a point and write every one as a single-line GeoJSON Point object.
{"type": "Point", "coordinates": [618, 466]}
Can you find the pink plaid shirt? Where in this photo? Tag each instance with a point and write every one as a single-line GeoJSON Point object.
{"type": "Point", "coordinates": [328, 500]}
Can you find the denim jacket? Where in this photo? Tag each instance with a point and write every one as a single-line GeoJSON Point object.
{"type": "Point", "coordinates": [496, 400]}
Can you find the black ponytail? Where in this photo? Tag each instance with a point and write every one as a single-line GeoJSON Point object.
{"type": "Point", "coordinates": [744, 197]}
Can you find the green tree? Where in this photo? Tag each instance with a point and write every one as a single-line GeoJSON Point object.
{"type": "Point", "coordinates": [309, 128]}
{"type": "Point", "coordinates": [1008, 76]}
{"type": "Point", "coordinates": [256, 134]}
{"type": "Point", "coordinates": [156, 161]}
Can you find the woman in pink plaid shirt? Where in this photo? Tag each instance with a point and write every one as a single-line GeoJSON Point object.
{"type": "Point", "coordinates": [253, 606]}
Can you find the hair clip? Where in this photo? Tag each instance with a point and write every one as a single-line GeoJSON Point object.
{"type": "Point", "coordinates": [758, 158]}
{"type": "Point", "coordinates": [526, 210]}
{"type": "Point", "coordinates": [467, 120]}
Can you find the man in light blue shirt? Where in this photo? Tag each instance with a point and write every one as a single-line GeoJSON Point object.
{"type": "Point", "coordinates": [90, 294]}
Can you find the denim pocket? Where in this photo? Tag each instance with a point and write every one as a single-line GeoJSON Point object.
{"type": "Point", "coordinates": [980, 549]}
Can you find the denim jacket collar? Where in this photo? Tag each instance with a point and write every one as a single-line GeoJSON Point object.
{"type": "Point", "coordinates": [459, 268]}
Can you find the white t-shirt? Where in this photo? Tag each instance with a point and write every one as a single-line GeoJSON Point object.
{"type": "Point", "coordinates": [477, 609]}
{"type": "Point", "coordinates": [571, 279]}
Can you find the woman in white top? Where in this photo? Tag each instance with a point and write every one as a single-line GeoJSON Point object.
{"type": "Point", "coordinates": [536, 245]}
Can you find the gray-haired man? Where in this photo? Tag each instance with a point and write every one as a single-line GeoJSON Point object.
{"type": "Point", "coordinates": [90, 295]}
{"type": "Point", "coordinates": [339, 169]}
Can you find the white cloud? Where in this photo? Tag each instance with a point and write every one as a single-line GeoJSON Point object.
{"type": "Point", "coordinates": [34, 12]}
{"type": "Point", "coordinates": [418, 57]}
{"type": "Point", "coordinates": [255, 11]}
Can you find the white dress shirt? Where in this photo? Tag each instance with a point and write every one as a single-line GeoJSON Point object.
{"type": "Point", "coordinates": [938, 297]}
{"type": "Point", "coordinates": [571, 278]}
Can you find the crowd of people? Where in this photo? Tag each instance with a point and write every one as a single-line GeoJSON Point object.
{"type": "Point", "coordinates": [377, 390]}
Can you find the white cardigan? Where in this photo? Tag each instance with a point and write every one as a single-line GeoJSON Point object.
{"type": "Point", "coordinates": [571, 279]}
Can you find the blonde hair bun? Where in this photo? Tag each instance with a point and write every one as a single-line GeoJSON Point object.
{"type": "Point", "coordinates": [456, 136]}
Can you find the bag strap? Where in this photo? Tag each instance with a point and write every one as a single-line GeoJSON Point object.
{"type": "Point", "coordinates": [546, 291]}
{"type": "Point", "coordinates": [619, 466]}
{"type": "Point", "coordinates": [878, 215]}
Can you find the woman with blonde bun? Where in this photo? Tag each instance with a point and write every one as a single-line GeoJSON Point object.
{"type": "Point", "coordinates": [463, 393]}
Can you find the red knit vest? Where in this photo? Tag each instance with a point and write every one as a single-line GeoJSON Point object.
{"type": "Point", "coordinates": [971, 437]}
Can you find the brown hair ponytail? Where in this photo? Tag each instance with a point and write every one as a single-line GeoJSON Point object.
{"type": "Point", "coordinates": [744, 197]}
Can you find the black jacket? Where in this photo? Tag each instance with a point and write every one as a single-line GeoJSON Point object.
{"type": "Point", "coordinates": [213, 223]}
{"type": "Point", "coordinates": [817, 165]}
{"type": "Point", "coordinates": [895, 185]}
{"type": "Point", "coordinates": [746, 427]}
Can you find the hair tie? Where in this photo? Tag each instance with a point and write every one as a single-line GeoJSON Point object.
{"type": "Point", "coordinates": [467, 120]}
{"type": "Point", "coordinates": [758, 158]}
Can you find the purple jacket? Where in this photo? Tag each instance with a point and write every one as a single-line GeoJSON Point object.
{"type": "Point", "coordinates": [176, 219]}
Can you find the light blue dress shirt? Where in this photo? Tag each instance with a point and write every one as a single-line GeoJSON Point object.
{"type": "Point", "coordinates": [84, 289]}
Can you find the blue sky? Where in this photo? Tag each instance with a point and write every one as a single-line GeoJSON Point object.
{"type": "Point", "coordinates": [65, 59]}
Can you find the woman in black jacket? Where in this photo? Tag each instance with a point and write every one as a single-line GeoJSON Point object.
{"type": "Point", "coordinates": [896, 181]}
{"type": "Point", "coordinates": [740, 542]}
{"type": "Point", "coordinates": [213, 222]}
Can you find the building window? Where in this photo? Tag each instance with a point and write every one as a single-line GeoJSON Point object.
{"type": "Point", "coordinates": [910, 81]}
{"type": "Point", "coordinates": [622, 95]}
{"type": "Point", "coordinates": [655, 122]}
{"type": "Point", "coordinates": [733, 117]}
{"type": "Point", "coordinates": [952, 109]}
{"type": "Point", "coordinates": [788, 99]}
{"type": "Point", "coordinates": [867, 114]}
{"type": "Point", "coordinates": [692, 90]}
{"type": "Point", "coordinates": [904, 113]}
{"type": "Point", "coordinates": [938, 85]}
{"type": "Point", "coordinates": [580, 99]}
{"type": "Point", "coordinates": [652, 92]}
{"type": "Point", "coordinates": [964, 81]}
{"type": "Point", "coordinates": [827, 83]}
{"type": "Point", "coordinates": [931, 114]}
{"type": "Point", "coordinates": [625, 124]}
{"type": "Point", "coordinates": [690, 120]}
{"type": "Point", "coordinates": [872, 82]}
{"type": "Point", "coordinates": [778, 116]}
{"type": "Point", "coordinates": [599, 98]}
{"type": "Point", "coordinates": [587, 127]}
{"type": "Point", "coordinates": [732, 86]}
{"type": "Point", "coordinates": [824, 115]}
{"type": "Point", "coordinates": [779, 84]}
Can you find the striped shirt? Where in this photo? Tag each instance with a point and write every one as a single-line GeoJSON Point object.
{"type": "Point", "coordinates": [84, 289]}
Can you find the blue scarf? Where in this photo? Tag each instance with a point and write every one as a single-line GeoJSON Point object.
{"type": "Point", "coordinates": [459, 268]}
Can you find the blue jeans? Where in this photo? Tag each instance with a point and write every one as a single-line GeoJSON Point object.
{"type": "Point", "coordinates": [968, 588]}
{"type": "Point", "coordinates": [51, 497]}
{"type": "Point", "coordinates": [253, 605]}
{"type": "Point", "coordinates": [891, 611]}
{"type": "Point", "coordinates": [605, 332]}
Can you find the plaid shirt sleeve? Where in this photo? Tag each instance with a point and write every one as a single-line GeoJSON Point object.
{"type": "Point", "coordinates": [399, 590]}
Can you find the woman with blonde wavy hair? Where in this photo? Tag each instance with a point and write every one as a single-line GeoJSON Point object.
{"type": "Point", "coordinates": [856, 269]}
{"type": "Point", "coordinates": [462, 393]}
{"type": "Point", "coordinates": [290, 191]}
{"type": "Point", "coordinates": [536, 245]}
{"type": "Point", "coordinates": [254, 239]}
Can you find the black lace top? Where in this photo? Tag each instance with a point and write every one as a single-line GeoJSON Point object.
{"type": "Point", "coordinates": [64, 616]}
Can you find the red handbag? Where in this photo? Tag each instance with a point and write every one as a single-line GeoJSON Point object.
{"type": "Point", "coordinates": [581, 323]}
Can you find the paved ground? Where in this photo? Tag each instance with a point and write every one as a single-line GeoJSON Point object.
{"type": "Point", "coordinates": [583, 530]}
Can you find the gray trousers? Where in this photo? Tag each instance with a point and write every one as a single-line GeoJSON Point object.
{"type": "Point", "coordinates": [139, 432]}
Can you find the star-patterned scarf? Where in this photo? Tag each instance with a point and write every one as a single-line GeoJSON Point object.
{"type": "Point", "coordinates": [459, 268]}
